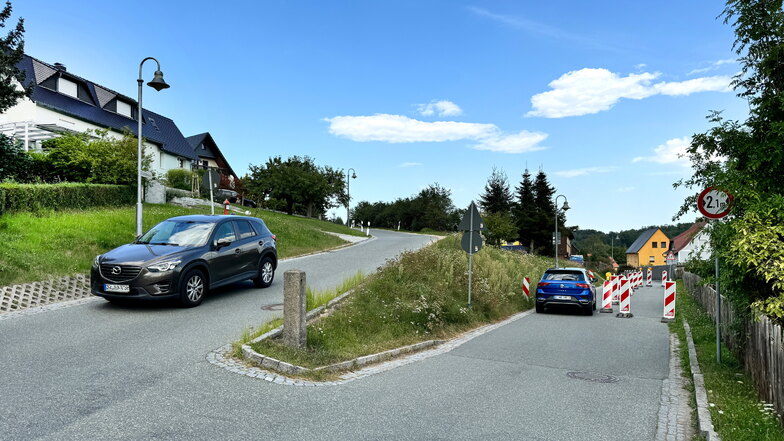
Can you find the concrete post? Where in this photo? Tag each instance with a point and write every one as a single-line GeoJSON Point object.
{"type": "Point", "coordinates": [295, 331]}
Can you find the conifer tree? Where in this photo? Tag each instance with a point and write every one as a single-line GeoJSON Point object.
{"type": "Point", "coordinates": [525, 209]}
{"type": "Point", "coordinates": [497, 197]}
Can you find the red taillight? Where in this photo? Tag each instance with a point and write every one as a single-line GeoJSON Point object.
{"type": "Point", "coordinates": [542, 284]}
{"type": "Point", "coordinates": [582, 285]}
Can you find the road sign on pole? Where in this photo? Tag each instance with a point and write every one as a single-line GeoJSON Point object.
{"type": "Point", "coordinates": [471, 243]}
{"type": "Point", "coordinates": [714, 204]}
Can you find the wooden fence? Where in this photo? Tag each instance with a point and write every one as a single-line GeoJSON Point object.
{"type": "Point", "coordinates": [759, 343]}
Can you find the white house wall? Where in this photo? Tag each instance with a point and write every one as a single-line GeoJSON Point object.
{"type": "Point", "coordinates": [27, 110]}
{"type": "Point", "coordinates": [698, 248]}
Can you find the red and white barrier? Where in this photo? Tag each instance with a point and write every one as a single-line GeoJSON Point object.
{"type": "Point", "coordinates": [664, 277]}
{"type": "Point", "coordinates": [625, 309]}
{"type": "Point", "coordinates": [669, 302]}
{"type": "Point", "coordinates": [607, 296]}
{"type": "Point", "coordinates": [650, 277]}
{"type": "Point", "coordinates": [527, 286]}
{"type": "Point", "coordinates": [616, 288]}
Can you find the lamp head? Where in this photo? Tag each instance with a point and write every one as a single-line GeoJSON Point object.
{"type": "Point", "coordinates": [353, 176]}
{"type": "Point", "coordinates": [565, 206]}
{"type": "Point", "coordinates": [157, 82]}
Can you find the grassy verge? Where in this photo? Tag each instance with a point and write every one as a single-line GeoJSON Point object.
{"type": "Point", "coordinates": [43, 245]}
{"type": "Point", "coordinates": [420, 296]}
{"type": "Point", "coordinates": [318, 298]}
{"type": "Point", "coordinates": [737, 413]}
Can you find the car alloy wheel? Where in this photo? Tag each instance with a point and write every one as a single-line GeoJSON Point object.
{"type": "Point", "coordinates": [193, 288]}
{"type": "Point", "coordinates": [266, 273]}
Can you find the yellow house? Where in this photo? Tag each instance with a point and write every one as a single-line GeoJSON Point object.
{"type": "Point", "coordinates": [649, 249]}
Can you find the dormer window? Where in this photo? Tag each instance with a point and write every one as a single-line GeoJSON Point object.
{"type": "Point", "coordinates": [67, 87]}
{"type": "Point", "coordinates": [124, 109]}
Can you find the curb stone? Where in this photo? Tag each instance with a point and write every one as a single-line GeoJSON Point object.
{"type": "Point", "coordinates": [222, 358]}
{"type": "Point", "coordinates": [704, 422]}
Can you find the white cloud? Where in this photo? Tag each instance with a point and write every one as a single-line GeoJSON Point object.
{"type": "Point", "coordinates": [402, 129]}
{"type": "Point", "coordinates": [441, 108]}
{"type": "Point", "coordinates": [583, 171]}
{"type": "Point", "coordinates": [671, 152]}
{"type": "Point", "coordinates": [713, 66]}
{"type": "Point", "coordinates": [521, 142]}
{"type": "Point", "coordinates": [410, 164]}
{"type": "Point", "coordinates": [587, 91]}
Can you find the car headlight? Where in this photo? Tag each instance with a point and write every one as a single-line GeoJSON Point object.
{"type": "Point", "coordinates": [97, 261]}
{"type": "Point", "coordinates": [163, 266]}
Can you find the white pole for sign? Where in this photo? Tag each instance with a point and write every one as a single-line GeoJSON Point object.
{"type": "Point", "coordinates": [212, 206]}
{"type": "Point", "coordinates": [718, 314]}
{"type": "Point", "coordinates": [470, 252]}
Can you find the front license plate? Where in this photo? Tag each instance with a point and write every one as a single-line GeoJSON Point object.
{"type": "Point", "coordinates": [117, 288]}
{"type": "Point", "coordinates": [562, 297]}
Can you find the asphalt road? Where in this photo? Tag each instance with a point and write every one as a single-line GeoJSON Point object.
{"type": "Point", "coordinates": [99, 371]}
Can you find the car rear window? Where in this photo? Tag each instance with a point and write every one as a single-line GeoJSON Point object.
{"type": "Point", "coordinates": [575, 276]}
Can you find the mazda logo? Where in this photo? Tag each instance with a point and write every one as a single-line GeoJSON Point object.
{"type": "Point", "coordinates": [116, 270]}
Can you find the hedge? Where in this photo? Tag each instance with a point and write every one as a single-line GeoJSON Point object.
{"type": "Point", "coordinates": [37, 197]}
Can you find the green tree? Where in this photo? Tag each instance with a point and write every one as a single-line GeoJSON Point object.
{"type": "Point", "coordinates": [524, 210]}
{"type": "Point", "coordinates": [496, 198]}
{"type": "Point", "coordinates": [11, 52]}
{"type": "Point", "coordinates": [746, 158]}
{"type": "Point", "coordinates": [14, 162]}
{"type": "Point", "coordinates": [298, 180]}
{"type": "Point", "coordinates": [544, 219]}
{"type": "Point", "coordinates": [500, 227]}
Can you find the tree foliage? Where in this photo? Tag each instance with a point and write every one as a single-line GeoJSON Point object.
{"type": "Point", "coordinates": [746, 158]}
{"type": "Point", "coordinates": [11, 52]}
{"type": "Point", "coordinates": [431, 208]}
{"type": "Point", "coordinates": [497, 197]}
{"type": "Point", "coordinates": [14, 162]}
{"type": "Point", "coordinates": [299, 183]}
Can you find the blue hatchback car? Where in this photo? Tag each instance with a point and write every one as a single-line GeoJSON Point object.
{"type": "Point", "coordinates": [566, 287]}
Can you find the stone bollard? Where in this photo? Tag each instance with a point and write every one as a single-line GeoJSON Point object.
{"type": "Point", "coordinates": [295, 331]}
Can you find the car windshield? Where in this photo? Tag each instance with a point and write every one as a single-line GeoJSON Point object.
{"type": "Point", "coordinates": [574, 276]}
{"type": "Point", "coordinates": [178, 233]}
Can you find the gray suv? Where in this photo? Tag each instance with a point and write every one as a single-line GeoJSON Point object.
{"type": "Point", "coordinates": [184, 257]}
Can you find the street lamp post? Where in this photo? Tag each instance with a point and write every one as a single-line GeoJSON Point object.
{"type": "Point", "coordinates": [348, 191]}
{"type": "Point", "coordinates": [565, 207]}
{"type": "Point", "coordinates": [158, 84]}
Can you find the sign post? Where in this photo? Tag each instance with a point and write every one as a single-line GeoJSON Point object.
{"type": "Point", "coordinates": [471, 242]}
{"type": "Point", "coordinates": [714, 204]}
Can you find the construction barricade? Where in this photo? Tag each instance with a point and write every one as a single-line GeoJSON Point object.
{"type": "Point", "coordinates": [527, 286]}
{"type": "Point", "coordinates": [669, 302]}
{"type": "Point", "coordinates": [607, 296]}
{"type": "Point", "coordinates": [625, 307]}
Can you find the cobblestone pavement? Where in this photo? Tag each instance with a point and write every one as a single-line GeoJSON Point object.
{"type": "Point", "coordinates": [675, 414]}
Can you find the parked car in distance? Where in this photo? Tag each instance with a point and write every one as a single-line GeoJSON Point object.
{"type": "Point", "coordinates": [223, 194]}
{"type": "Point", "coordinates": [571, 287]}
{"type": "Point", "coordinates": [186, 256]}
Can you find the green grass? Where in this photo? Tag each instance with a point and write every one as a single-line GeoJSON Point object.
{"type": "Point", "coordinates": [737, 413]}
{"type": "Point", "coordinates": [420, 296]}
{"type": "Point", "coordinates": [44, 245]}
{"type": "Point", "coordinates": [318, 298]}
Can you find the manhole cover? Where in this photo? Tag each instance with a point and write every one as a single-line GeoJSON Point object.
{"type": "Point", "coordinates": [593, 377]}
{"type": "Point", "coordinates": [273, 307]}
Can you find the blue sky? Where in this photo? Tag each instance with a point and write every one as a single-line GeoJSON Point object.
{"type": "Point", "coordinates": [601, 95]}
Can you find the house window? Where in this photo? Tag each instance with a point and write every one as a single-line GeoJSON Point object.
{"type": "Point", "coordinates": [655, 245]}
{"type": "Point", "coordinates": [67, 87]}
{"type": "Point", "coordinates": [180, 162]}
{"type": "Point", "coordinates": [124, 109]}
{"type": "Point", "coordinates": [650, 259]}
{"type": "Point", "coordinates": [664, 244]}
{"type": "Point", "coordinates": [205, 164]}
{"type": "Point", "coordinates": [203, 147]}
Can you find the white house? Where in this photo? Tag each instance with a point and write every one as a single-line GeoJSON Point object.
{"type": "Point", "coordinates": [693, 243]}
{"type": "Point", "coordinates": [62, 102]}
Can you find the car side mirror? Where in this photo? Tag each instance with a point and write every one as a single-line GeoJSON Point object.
{"type": "Point", "coordinates": [220, 243]}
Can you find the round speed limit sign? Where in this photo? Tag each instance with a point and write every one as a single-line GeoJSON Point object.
{"type": "Point", "coordinates": [714, 203]}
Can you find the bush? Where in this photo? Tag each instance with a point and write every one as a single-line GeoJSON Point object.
{"type": "Point", "coordinates": [177, 178]}
{"type": "Point", "coordinates": [37, 197]}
